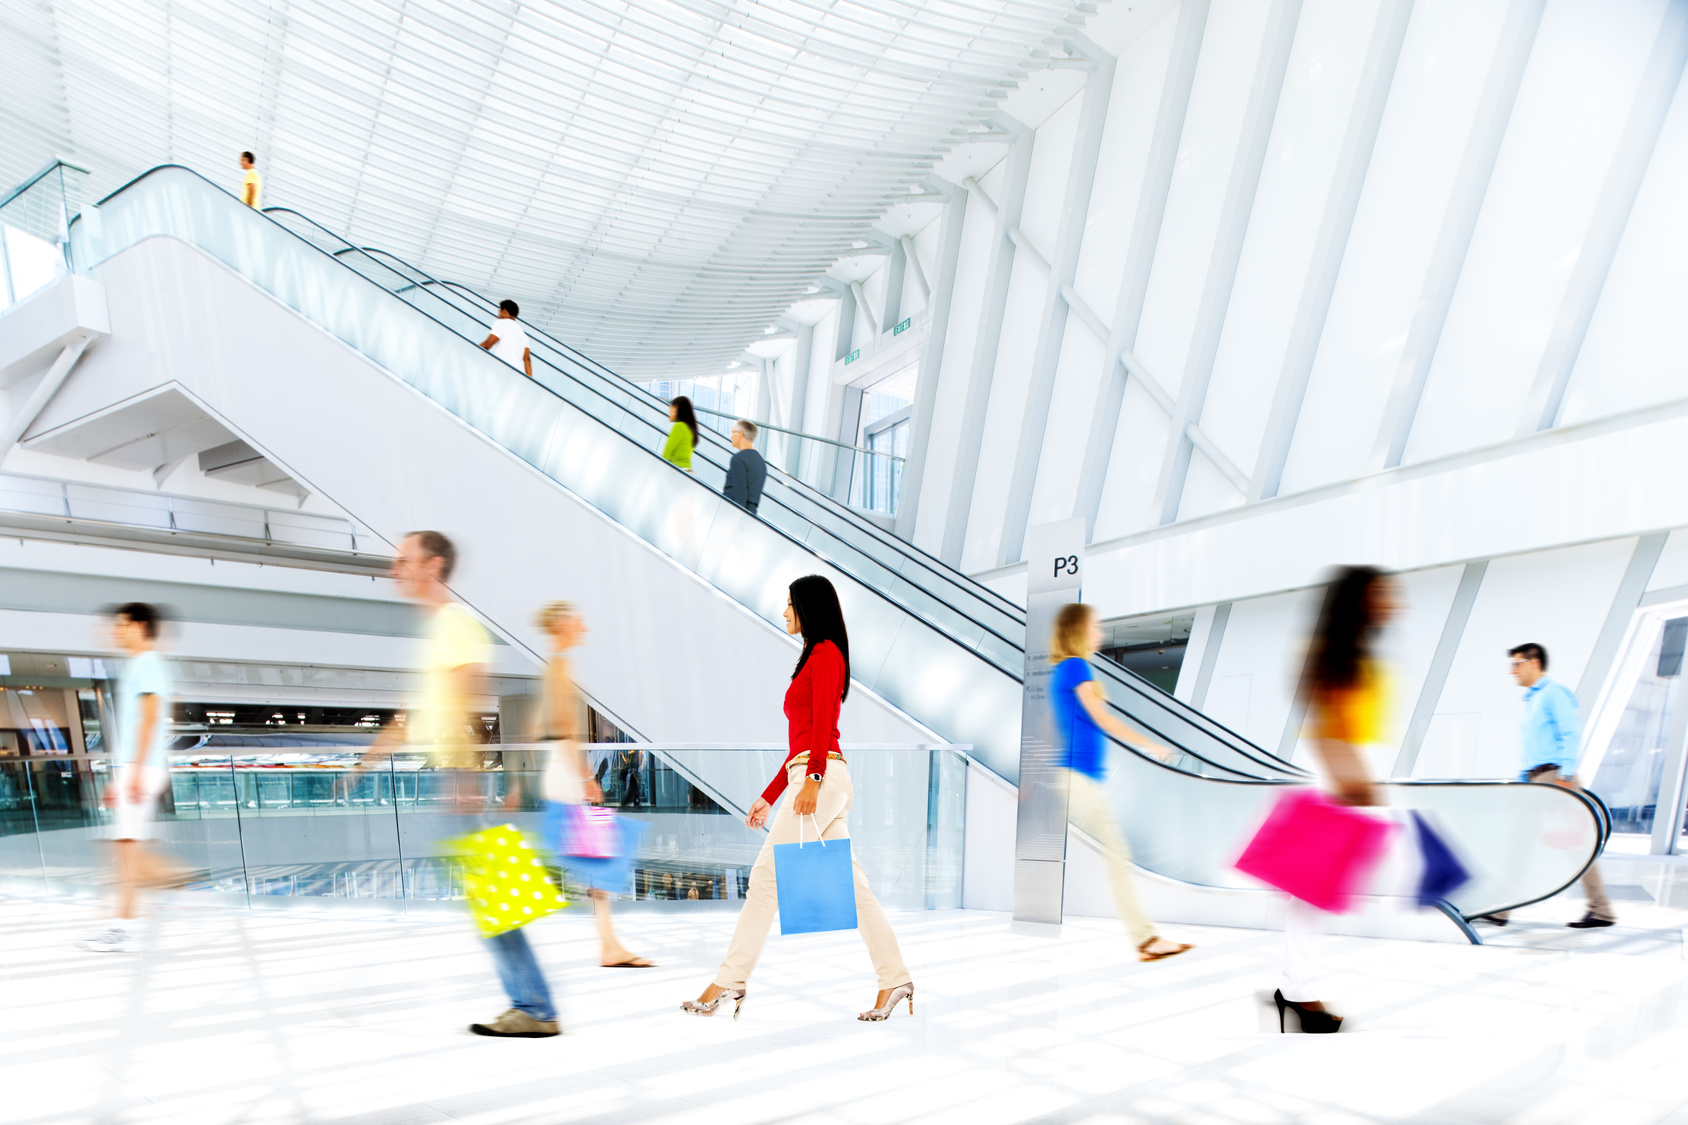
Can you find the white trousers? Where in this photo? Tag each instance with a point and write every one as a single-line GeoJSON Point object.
{"type": "Point", "coordinates": [761, 901]}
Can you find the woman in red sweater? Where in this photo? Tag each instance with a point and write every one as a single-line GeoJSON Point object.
{"type": "Point", "coordinates": [818, 688]}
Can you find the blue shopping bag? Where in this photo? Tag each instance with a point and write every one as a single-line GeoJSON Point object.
{"type": "Point", "coordinates": [815, 883]}
{"type": "Point", "coordinates": [613, 875]}
{"type": "Point", "coordinates": [1443, 872]}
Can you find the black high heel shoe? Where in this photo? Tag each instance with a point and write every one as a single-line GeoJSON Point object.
{"type": "Point", "coordinates": [1314, 1021]}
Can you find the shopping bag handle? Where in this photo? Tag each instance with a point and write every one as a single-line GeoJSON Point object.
{"type": "Point", "coordinates": [818, 835]}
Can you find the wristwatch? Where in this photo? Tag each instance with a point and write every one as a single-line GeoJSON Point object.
{"type": "Point", "coordinates": [817, 778]}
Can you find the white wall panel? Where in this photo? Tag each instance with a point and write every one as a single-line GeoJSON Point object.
{"type": "Point", "coordinates": [1128, 492]}
{"type": "Point", "coordinates": [1046, 185]}
{"type": "Point", "coordinates": [1438, 80]}
{"type": "Point", "coordinates": [1021, 321]}
{"type": "Point", "coordinates": [1077, 375]}
{"type": "Point", "coordinates": [1635, 352]}
{"type": "Point", "coordinates": [1558, 599]}
{"type": "Point", "coordinates": [1002, 419]}
{"type": "Point", "coordinates": [1206, 489]}
{"type": "Point", "coordinates": [1672, 567]}
{"type": "Point", "coordinates": [1201, 634]}
{"type": "Point", "coordinates": [977, 230]}
{"type": "Point", "coordinates": [1325, 62]}
{"type": "Point", "coordinates": [1254, 679]}
{"type": "Point", "coordinates": [1206, 151]}
{"type": "Point", "coordinates": [1133, 107]}
{"type": "Point", "coordinates": [821, 358]}
{"type": "Point", "coordinates": [1571, 108]}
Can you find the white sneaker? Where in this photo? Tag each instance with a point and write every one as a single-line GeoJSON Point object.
{"type": "Point", "coordinates": [111, 940]}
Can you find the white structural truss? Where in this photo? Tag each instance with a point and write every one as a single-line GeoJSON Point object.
{"type": "Point", "coordinates": [654, 182]}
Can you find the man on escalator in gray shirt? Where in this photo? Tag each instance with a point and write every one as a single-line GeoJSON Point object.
{"type": "Point", "coordinates": [746, 472]}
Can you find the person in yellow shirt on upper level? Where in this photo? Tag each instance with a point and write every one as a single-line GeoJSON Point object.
{"type": "Point", "coordinates": [251, 184]}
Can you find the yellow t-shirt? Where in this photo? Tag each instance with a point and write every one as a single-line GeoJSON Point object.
{"type": "Point", "coordinates": [1357, 715]}
{"type": "Point", "coordinates": [256, 183]}
{"type": "Point", "coordinates": [440, 715]}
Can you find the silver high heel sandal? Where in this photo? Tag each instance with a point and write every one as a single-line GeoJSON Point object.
{"type": "Point", "coordinates": [698, 1008]}
{"type": "Point", "coordinates": [898, 995]}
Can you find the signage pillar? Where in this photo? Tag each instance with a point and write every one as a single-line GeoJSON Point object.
{"type": "Point", "coordinates": [1054, 553]}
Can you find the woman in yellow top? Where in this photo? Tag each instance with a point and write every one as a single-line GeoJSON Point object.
{"type": "Point", "coordinates": [682, 438]}
{"type": "Point", "coordinates": [1346, 692]}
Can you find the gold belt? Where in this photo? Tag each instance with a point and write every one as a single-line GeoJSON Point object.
{"type": "Point", "coordinates": [832, 755]}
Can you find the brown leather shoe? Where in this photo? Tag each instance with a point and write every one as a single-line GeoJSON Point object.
{"type": "Point", "coordinates": [517, 1024]}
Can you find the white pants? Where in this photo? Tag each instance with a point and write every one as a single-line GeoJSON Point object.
{"type": "Point", "coordinates": [761, 903]}
{"type": "Point", "coordinates": [1303, 972]}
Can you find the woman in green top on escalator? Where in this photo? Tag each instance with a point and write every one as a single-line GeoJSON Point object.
{"type": "Point", "coordinates": [682, 438]}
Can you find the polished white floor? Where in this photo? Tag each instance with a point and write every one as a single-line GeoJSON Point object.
{"type": "Point", "coordinates": [238, 1016]}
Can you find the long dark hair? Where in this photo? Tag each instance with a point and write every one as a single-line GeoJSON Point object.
{"type": "Point", "coordinates": [819, 617]}
{"type": "Point", "coordinates": [1348, 624]}
{"type": "Point", "coordinates": [683, 412]}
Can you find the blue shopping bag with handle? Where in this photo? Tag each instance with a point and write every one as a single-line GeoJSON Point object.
{"type": "Point", "coordinates": [613, 874]}
{"type": "Point", "coordinates": [815, 883]}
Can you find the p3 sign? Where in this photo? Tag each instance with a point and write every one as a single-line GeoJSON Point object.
{"type": "Point", "coordinates": [1066, 566]}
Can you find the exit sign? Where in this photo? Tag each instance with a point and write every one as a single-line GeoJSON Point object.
{"type": "Point", "coordinates": [899, 328]}
{"type": "Point", "coordinates": [853, 357]}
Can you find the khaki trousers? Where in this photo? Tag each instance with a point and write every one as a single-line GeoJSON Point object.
{"type": "Point", "coordinates": [1593, 883]}
{"type": "Point", "coordinates": [1088, 810]}
{"type": "Point", "coordinates": [761, 902]}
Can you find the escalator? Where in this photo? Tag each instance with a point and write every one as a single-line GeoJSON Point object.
{"type": "Point", "coordinates": [361, 375]}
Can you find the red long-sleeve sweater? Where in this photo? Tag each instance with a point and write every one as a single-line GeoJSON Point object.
{"type": "Point", "coordinates": [812, 703]}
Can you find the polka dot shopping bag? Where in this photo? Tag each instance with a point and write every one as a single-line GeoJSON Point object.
{"type": "Point", "coordinates": [506, 879]}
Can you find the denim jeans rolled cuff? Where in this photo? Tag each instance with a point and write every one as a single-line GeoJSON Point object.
{"type": "Point", "coordinates": [520, 974]}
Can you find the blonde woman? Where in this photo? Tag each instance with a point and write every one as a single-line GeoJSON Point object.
{"type": "Point", "coordinates": [1081, 717]}
{"type": "Point", "coordinates": [567, 778]}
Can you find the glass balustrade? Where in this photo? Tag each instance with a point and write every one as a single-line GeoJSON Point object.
{"type": "Point", "coordinates": [318, 825]}
{"type": "Point", "coordinates": [35, 222]}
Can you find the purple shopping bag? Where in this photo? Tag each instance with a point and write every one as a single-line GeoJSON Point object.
{"type": "Point", "coordinates": [1315, 849]}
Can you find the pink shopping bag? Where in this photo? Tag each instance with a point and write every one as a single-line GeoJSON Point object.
{"type": "Point", "coordinates": [1315, 849]}
{"type": "Point", "coordinates": [589, 832]}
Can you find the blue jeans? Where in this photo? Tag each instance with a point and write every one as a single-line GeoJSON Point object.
{"type": "Point", "coordinates": [519, 971]}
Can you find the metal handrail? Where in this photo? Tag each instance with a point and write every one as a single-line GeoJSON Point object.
{"type": "Point", "coordinates": [800, 434]}
{"type": "Point", "coordinates": [56, 162]}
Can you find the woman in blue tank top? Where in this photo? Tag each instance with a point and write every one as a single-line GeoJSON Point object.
{"type": "Point", "coordinates": [1081, 718]}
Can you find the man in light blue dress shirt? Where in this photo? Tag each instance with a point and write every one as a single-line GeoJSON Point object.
{"type": "Point", "coordinates": [1551, 739]}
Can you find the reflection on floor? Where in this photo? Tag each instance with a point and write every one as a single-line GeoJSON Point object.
{"type": "Point", "coordinates": [234, 1016]}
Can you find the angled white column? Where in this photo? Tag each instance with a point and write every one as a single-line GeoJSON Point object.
{"type": "Point", "coordinates": [894, 268]}
{"type": "Point", "coordinates": [1353, 162]}
{"type": "Point", "coordinates": [931, 354]}
{"type": "Point", "coordinates": [1471, 184]}
{"type": "Point", "coordinates": [1140, 256]}
{"type": "Point", "coordinates": [1611, 215]}
{"type": "Point", "coordinates": [1052, 331]}
{"type": "Point", "coordinates": [1441, 663]}
{"type": "Point", "coordinates": [997, 275]}
{"type": "Point", "coordinates": [1234, 214]}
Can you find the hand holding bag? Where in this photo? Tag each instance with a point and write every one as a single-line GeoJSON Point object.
{"type": "Point", "coordinates": [613, 875]}
{"type": "Point", "coordinates": [1315, 849]}
{"type": "Point", "coordinates": [815, 884]}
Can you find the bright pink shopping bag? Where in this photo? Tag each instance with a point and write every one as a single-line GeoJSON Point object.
{"type": "Point", "coordinates": [589, 832]}
{"type": "Point", "coordinates": [1315, 849]}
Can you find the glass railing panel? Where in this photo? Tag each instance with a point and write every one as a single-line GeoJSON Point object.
{"type": "Point", "coordinates": [320, 825]}
{"type": "Point", "coordinates": [1522, 842]}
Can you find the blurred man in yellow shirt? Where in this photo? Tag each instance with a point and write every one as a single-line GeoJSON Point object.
{"type": "Point", "coordinates": [251, 184]}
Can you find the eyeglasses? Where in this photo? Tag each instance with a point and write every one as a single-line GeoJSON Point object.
{"type": "Point", "coordinates": [1516, 663]}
